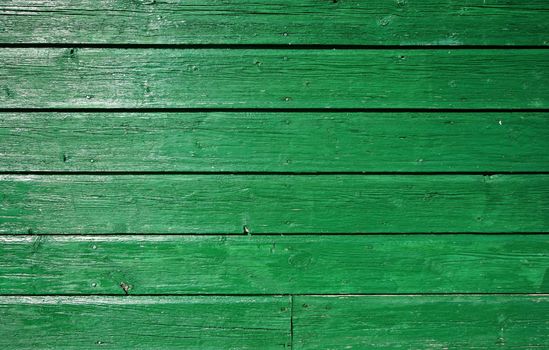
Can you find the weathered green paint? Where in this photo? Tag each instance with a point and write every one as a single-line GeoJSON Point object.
{"type": "Point", "coordinates": [275, 142]}
{"type": "Point", "coordinates": [275, 264]}
{"type": "Point", "coordinates": [65, 204]}
{"type": "Point", "coordinates": [421, 322]}
{"type": "Point", "coordinates": [255, 78]}
{"type": "Point", "coordinates": [144, 322]}
{"type": "Point", "coordinates": [242, 119]}
{"type": "Point", "coordinates": [375, 22]}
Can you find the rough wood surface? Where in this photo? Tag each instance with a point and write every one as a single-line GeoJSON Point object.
{"type": "Point", "coordinates": [280, 265]}
{"type": "Point", "coordinates": [275, 142]}
{"type": "Point", "coordinates": [377, 22]}
{"type": "Point", "coordinates": [421, 322]}
{"type": "Point", "coordinates": [273, 204]}
{"type": "Point", "coordinates": [144, 322]}
{"type": "Point", "coordinates": [172, 176]}
{"type": "Point", "coordinates": [255, 78]}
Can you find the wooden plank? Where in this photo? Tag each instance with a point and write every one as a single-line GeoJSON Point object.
{"type": "Point", "coordinates": [144, 322]}
{"type": "Point", "coordinates": [274, 265]}
{"type": "Point", "coordinates": [377, 22]}
{"type": "Point", "coordinates": [275, 142]}
{"type": "Point", "coordinates": [254, 78]}
{"type": "Point", "coordinates": [421, 322]}
{"type": "Point", "coordinates": [273, 204]}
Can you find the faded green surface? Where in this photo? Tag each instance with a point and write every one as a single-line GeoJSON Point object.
{"type": "Point", "coordinates": [374, 22]}
{"type": "Point", "coordinates": [275, 141]}
{"type": "Point", "coordinates": [144, 322]}
{"type": "Point", "coordinates": [421, 322]}
{"type": "Point", "coordinates": [234, 204]}
{"type": "Point", "coordinates": [458, 263]}
{"type": "Point", "coordinates": [261, 78]}
{"type": "Point", "coordinates": [357, 175]}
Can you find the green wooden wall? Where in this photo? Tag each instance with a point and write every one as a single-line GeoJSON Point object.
{"type": "Point", "coordinates": [282, 174]}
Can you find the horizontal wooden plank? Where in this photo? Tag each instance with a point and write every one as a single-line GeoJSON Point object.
{"type": "Point", "coordinates": [274, 265]}
{"type": "Point", "coordinates": [275, 142]}
{"type": "Point", "coordinates": [210, 78]}
{"type": "Point", "coordinates": [421, 322]}
{"type": "Point", "coordinates": [378, 22]}
{"type": "Point", "coordinates": [144, 322]}
{"type": "Point", "coordinates": [273, 204]}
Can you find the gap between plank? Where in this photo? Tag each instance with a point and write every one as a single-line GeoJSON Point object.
{"type": "Point", "coordinates": [129, 295]}
{"type": "Point", "coordinates": [153, 236]}
{"type": "Point", "coordinates": [275, 173]}
{"type": "Point", "coordinates": [274, 46]}
{"type": "Point", "coordinates": [274, 110]}
{"type": "Point", "coordinates": [291, 321]}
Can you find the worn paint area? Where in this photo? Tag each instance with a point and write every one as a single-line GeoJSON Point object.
{"type": "Point", "coordinates": [284, 174]}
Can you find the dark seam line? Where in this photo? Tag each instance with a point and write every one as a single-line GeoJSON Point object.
{"type": "Point", "coordinates": [401, 234]}
{"type": "Point", "coordinates": [129, 295]}
{"type": "Point", "coordinates": [274, 110]}
{"type": "Point", "coordinates": [273, 173]}
{"type": "Point", "coordinates": [267, 234]}
{"type": "Point", "coordinates": [291, 321]}
{"type": "Point", "coordinates": [273, 46]}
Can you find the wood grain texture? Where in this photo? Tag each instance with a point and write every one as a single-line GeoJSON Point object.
{"type": "Point", "coordinates": [421, 322]}
{"type": "Point", "coordinates": [274, 265]}
{"type": "Point", "coordinates": [144, 322]}
{"type": "Point", "coordinates": [377, 22]}
{"type": "Point", "coordinates": [275, 142]}
{"type": "Point", "coordinates": [273, 204]}
{"type": "Point", "coordinates": [255, 78]}
{"type": "Point", "coordinates": [161, 179]}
